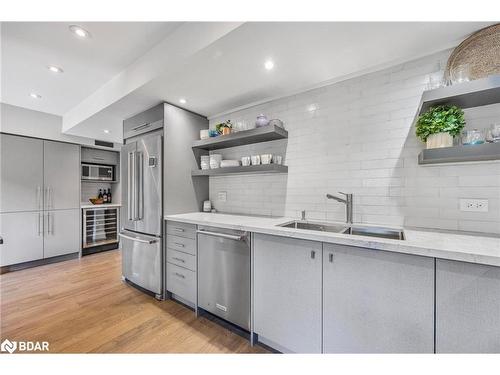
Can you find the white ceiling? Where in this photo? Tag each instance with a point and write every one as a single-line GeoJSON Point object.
{"type": "Point", "coordinates": [224, 72]}
{"type": "Point", "coordinates": [28, 47]}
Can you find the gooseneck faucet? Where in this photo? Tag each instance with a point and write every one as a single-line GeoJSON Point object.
{"type": "Point", "coordinates": [348, 205]}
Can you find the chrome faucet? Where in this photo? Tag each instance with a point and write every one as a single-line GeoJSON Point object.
{"type": "Point", "coordinates": [348, 205]}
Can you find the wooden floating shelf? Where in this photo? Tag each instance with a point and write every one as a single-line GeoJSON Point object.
{"type": "Point", "coordinates": [482, 152]}
{"type": "Point", "coordinates": [246, 137]}
{"type": "Point", "coordinates": [475, 93]}
{"type": "Point", "coordinates": [251, 169]}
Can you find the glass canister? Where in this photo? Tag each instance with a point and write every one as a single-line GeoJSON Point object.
{"type": "Point", "coordinates": [473, 137]}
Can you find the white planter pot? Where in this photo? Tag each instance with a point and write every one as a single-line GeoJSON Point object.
{"type": "Point", "coordinates": [439, 140]}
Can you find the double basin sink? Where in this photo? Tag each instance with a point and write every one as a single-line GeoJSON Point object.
{"type": "Point", "coordinates": [379, 232]}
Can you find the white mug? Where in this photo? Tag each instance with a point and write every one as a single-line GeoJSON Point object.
{"type": "Point", "coordinates": [245, 161]}
{"type": "Point", "coordinates": [266, 158]}
{"type": "Point", "coordinates": [255, 159]}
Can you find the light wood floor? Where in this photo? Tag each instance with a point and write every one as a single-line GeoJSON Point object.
{"type": "Point", "coordinates": [83, 306]}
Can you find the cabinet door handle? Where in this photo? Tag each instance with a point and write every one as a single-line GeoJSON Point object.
{"type": "Point", "coordinates": [313, 254]}
{"type": "Point", "coordinates": [39, 197]}
{"type": "Point", "coordinates": [179, 244]}
{"type": "Point", "coordinates": [48, 224]}
{"type": "Point", "coordinates": [330, 257]}
{"type": "Point", "coordinates": [39, 226]}
{"type": "Point", "coordinates": [179, 275]}
{"type": "Point", "coordinates": [179, 259]}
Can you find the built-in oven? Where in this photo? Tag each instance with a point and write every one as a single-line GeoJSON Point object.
{"type": "Point", "coordinates": [97, 172]}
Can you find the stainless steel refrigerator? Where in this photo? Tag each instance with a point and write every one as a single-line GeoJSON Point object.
{"type": "Point", "coordinates": [142, 211]}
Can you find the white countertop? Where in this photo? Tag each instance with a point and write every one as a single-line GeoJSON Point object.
{"type": "Point", "coordinates": [439, 244]}
{"type": "Point", "coordinates": [104, 205]}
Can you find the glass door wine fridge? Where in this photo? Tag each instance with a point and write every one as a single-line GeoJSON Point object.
{"type": "Point", "coordinates": [100, 229]}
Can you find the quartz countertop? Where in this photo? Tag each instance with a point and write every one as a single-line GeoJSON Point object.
{"type": "Point", "coordinates": [473, 248]}
{"type": "Point", "coordinates": [104, 205]}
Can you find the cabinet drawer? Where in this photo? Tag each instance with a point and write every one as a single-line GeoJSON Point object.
{"type": "Point", "coordinates": [186, 245]}
{"type": "Point", "coordinates": [181, 259]}
{"type": "Point", "coordinates": [181, 282]}
{"type": "Point", "coordinates": [98, 156]}
{"type": "Point", "coordinates": [181, 229]}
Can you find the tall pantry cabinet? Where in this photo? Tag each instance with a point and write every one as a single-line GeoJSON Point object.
{"type": "Point", "coordinates": [39, 199]}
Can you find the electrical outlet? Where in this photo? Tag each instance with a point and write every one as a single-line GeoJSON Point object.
{"type": "Point", "coordinates": [222, 196]}
{"type": "Point", "coordinates": [474, 205]}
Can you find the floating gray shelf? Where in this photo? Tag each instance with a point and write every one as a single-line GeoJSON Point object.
{"type": "Point", "coordinates": [476, 93]}
{"type": "Point", "coordinates": [485, 151]}
{"type": "Point", "coordinates": [246, 137]}
{"type": "Point", "coordinates": [251, 169]}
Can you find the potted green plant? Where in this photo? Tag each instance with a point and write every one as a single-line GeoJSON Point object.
{"type": "Point", "coordinates": [439, 125]}
{"type": "Point", "coordinates": [224, 127]}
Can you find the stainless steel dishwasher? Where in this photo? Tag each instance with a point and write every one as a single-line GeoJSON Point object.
{"type": "Point", "coordinates": [224, 274]}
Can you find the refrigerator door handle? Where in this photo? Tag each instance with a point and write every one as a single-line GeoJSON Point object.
{"type": "Point", "coordinates": [140, 186]}
{"type": "Point", "coordinates": [130, 185]}
{"type": "Point", "coordinates": [137, 239]}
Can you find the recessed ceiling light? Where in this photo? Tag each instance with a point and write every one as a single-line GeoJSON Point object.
{"type": "Point", "coordinates": [34, 95]}
{"type": "Point", "coordinates": [79, 31]}
{"type": "Point", "coordinates": [55, 69]}
{"type": "Point", "coordinates": [182, 101]}
{"type": "Point", "coordinates": [106, 131]}
{"type": "Point", "coordinates": [269, 64]}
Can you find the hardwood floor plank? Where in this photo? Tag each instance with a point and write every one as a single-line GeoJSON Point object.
{"type": "Point", "coordinates": [82, 306]}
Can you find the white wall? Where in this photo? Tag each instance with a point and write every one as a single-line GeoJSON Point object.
{"type": "Point", "coordinates": [23, 121]}
{"type": "Point", "coordinates": [356, 136]}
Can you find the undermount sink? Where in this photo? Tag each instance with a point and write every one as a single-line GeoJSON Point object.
{"type": "Point", "coordinates": [322, 227]}
{"type": "Point", "coordinates": [380, 232]}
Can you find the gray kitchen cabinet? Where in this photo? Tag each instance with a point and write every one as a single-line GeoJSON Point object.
{"type": "Point", "coordinates": [467, 307]}
{"type": "Point", "coordinates": [98, 156]}
{"type": "Point", "coordinates": [22, 234]}
{"type": "Point", "coordinates": [62, 228]}
{"type": "Point", "coordinates": [21, 173]}
{"type": "Point", "coordinates": [61, 165]}
{"type": "Point", "coordinates": [377, 301]}
{"type": "Point", "coordinates": [287, 293]}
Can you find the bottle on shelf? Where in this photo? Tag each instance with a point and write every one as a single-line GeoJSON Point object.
{"type": "Point", "coordinates": [105, 196]}
{"type": "Point", "coordinates": [109, 196]}
{"type": "Point", "coordinates": [100, 194]}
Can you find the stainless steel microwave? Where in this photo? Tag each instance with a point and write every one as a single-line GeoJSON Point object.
{"type": "Point", "coordinates": [97, 172]}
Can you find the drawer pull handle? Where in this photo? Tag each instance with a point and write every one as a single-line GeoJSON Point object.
{"type": "Point", "coordinates": [179, 229]}
{"type": "Point", "coordinates": [179, 259]}
{"type": "Point", "coordinates": [179, 275]}
{"type": "Point", "coordinates": [313, 254]}
{"type": "Point", "coordinates": [179, 244]}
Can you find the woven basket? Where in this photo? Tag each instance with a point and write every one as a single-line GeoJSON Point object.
{"type": "Point", "coordinates": [480, 51]}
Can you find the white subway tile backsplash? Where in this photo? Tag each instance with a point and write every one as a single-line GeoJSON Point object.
{"type": "Point", "coordinates": [358, 136]}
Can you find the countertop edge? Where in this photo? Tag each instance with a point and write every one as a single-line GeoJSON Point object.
{"type": "Point", "coordinates": [357, 241]}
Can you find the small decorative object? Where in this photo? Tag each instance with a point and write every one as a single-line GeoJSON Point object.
{"type": "Point", "coordinates": [204, 134]}
{"type": "Point", "coordinates": [255, 159]}
{"type": "Point", "coordinates": [277, 159]}
{"type": "Point", "coordinates": [215, 160]}
{"type": "Point", "coordinates": [207, 206]}
{"type": "Point", "coordinates": [473, 137]}
{"type": "Point", "coordinates": [261, 121]}
{"type": "Point", "coordinates": [480, 51]}
{"type": "Point", "coordinates": [212, 133]}
{"type": "Point", "coordinates": [460, 74]}
{"type": "Point", "coordinates": [96, 200]}
{"type": "Point", "coordinates": [495, 132]}
{"type": "Point", "coordinates": [205, 162]}
{"type": "Point", "coordinates": [224, 128]}
{"type": "Point", "coordinates": [439, 125]}
{"type": "Point", "coordinates": [276, 122]}
{"type": "Point", "coordinates": [436, 81]}
{"type": "Point", "coordinates": [266, 158]}
{"type": "Point", "coordinates": [245, 161]}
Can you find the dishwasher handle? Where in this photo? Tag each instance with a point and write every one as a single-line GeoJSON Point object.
{"type": "Point", "coordinates": [223, 235]}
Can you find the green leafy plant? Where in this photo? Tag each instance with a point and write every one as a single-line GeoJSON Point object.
{"type": "Point", "coordinates": [440, 119]}
{"type": "Point", "coordinates": [222, 125]}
